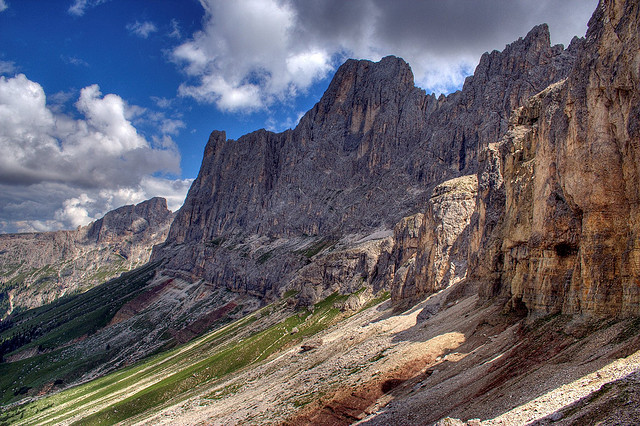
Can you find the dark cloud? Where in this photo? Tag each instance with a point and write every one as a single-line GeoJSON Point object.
{"type": "Point", "coordinates": [470, 26]}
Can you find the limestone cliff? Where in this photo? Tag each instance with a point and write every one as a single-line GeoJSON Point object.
{"type": "Point", "coordinates": [368, 154]}
{"type": "Point", "coordinates": [567, 238]}
{"type": "Point", "coordinates": [522, 187]}
{"type": "Point", "coordinates": [37, 268]}
{"type": "Point", "coordinates": [441, 258]}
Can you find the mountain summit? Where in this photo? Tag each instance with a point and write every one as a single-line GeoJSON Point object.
{"type": "Point", "coordinates": [38, 268]}
{"type": "Point", "coordinates": [366, 155]}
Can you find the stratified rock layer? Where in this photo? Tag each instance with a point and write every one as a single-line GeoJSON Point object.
{"type": "Point", "coordinates": [367, 155]}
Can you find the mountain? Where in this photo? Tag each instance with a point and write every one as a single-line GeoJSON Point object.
{"type": "Point", "coordinates": [396, 258]}
{"type": "Point", "coordinates": [368, 154]}
{"type": "Point", "coordinates": [38, 268]}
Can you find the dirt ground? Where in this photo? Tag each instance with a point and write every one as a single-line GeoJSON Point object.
{"type": "Point", "coordinates": [467, 362]}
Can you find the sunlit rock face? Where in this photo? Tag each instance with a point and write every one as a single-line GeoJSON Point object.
{"type": "Point", "coordinates": [570, 183]}
{"type": "Point", "coordinates": [431, 248]}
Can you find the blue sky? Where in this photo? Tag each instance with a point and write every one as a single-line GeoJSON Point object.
{"type": "Point", "coordinates": [110, 102]}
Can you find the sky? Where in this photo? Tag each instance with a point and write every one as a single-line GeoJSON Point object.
{"type": "Point", "coordinates": [105, 103]}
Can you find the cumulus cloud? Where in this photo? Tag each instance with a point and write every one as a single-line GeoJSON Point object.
{"type": "Point", "coordinates": [251, 53]}
{"type": "Point", "coordinates": [75, 210]}
{"type": "Point", "coordinates": [142, 29]}
{"type": "Point", "coordinates": [3, 6]}
{"type": "Point", "coordinates": [79, 7]}
{"type": "Point", "coordinates": [79, 167]}
{"type": "Point", "coordinates": [245, 58]}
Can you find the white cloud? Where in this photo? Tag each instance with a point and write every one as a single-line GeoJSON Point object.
{"type": "Point", "coordinates": [75, 211]}
{"type": "Point", "coordinates": [79, 7]}
{"type": "Point", "coordinates": [170, 126]}
{"type": "Point", "coordinates": [142, 29]}
{"type": "Point", "coordinates": [251, 53]}
{"type": "Point", "coordinates": [174, 190]}
{"type": "Point", "coordinates": [7, 67]}
{"type": "Point", "coordinates": [55, 158]}
{"type": "Point", "coordinates": [227, 96]}
{"type": "Point", "coordinates": [245, 57]}
{"type": "Point", "coordinates": [162, 102]}
{"type": "Point", "coordinates": [303, 68]}
{"type": "Point", "coordinates": [175, 30]}
{"type": "Point", "coordinates": [106, 125]}
{"type": "Point", "coordinates": [73, 60]}
{"type": "Point", "coordinates": [3, 6]}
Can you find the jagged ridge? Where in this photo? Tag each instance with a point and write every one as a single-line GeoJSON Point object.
{"type": "Point", "coordinates": [368, 154]}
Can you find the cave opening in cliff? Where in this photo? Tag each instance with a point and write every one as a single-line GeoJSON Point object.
{"type": "Point", "coordinates": [564, 249]}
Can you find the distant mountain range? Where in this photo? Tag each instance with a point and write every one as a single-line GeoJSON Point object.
{"type": "Point", "coordinates": [38, 268]}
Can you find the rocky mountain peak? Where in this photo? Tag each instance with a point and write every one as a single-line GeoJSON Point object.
{"type": "Point", "coordinates": [130, 219]}
{"type": "Point", "coordinates": [487, 212]}
{"type": "Point", "coordinates": [522, 69]}
{"type": "Point", "coordinates": [43, 266]}
{"type": "Point", "coordinates": [362, 82]}
{"type": "Point", "coordinates": [216, 139]}
{"type": "Point", "coordinates": [365, 156]}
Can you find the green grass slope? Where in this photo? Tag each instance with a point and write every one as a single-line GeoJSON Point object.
{"type": "Point", "coordinates": [177, 374]}
{"type": "Point", "coordinates": [48, 330]}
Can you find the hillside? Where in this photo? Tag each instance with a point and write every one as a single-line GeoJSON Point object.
{"type": "Point", "coordinates": [331, 365]}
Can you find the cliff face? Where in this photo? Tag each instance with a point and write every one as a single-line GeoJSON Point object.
{"type": "Point", "coordinates": [568, 234]}
{"type": "Point", "coordinates": [367, 155]}
{"type": "Point", "coordinates": [38, 268]}
{"type": "Point", "coordinates": [322, 177]}
{"type": "Point", "coordinates": [548, 222]}
{"type": "Point", "coordinates": [522, 187]}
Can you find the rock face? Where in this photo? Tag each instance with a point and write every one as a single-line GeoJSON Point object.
{"type": "Point", "coordinates": [567, 238]}
{"type": "Point", "coordinates": [367, 155]}
{"type": "Point", "coordinates": [429, 250]}
{"type": "Point", "coordinates": [537, 209]}
{"type": "Point", "coordinates": [524, 187]}
{"type": "Point", "coordinates": [443, 239]}
{"type": "Point", "coordinates": [38, 268]}
{"type": "Point", "coordinates": [342, 269]}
